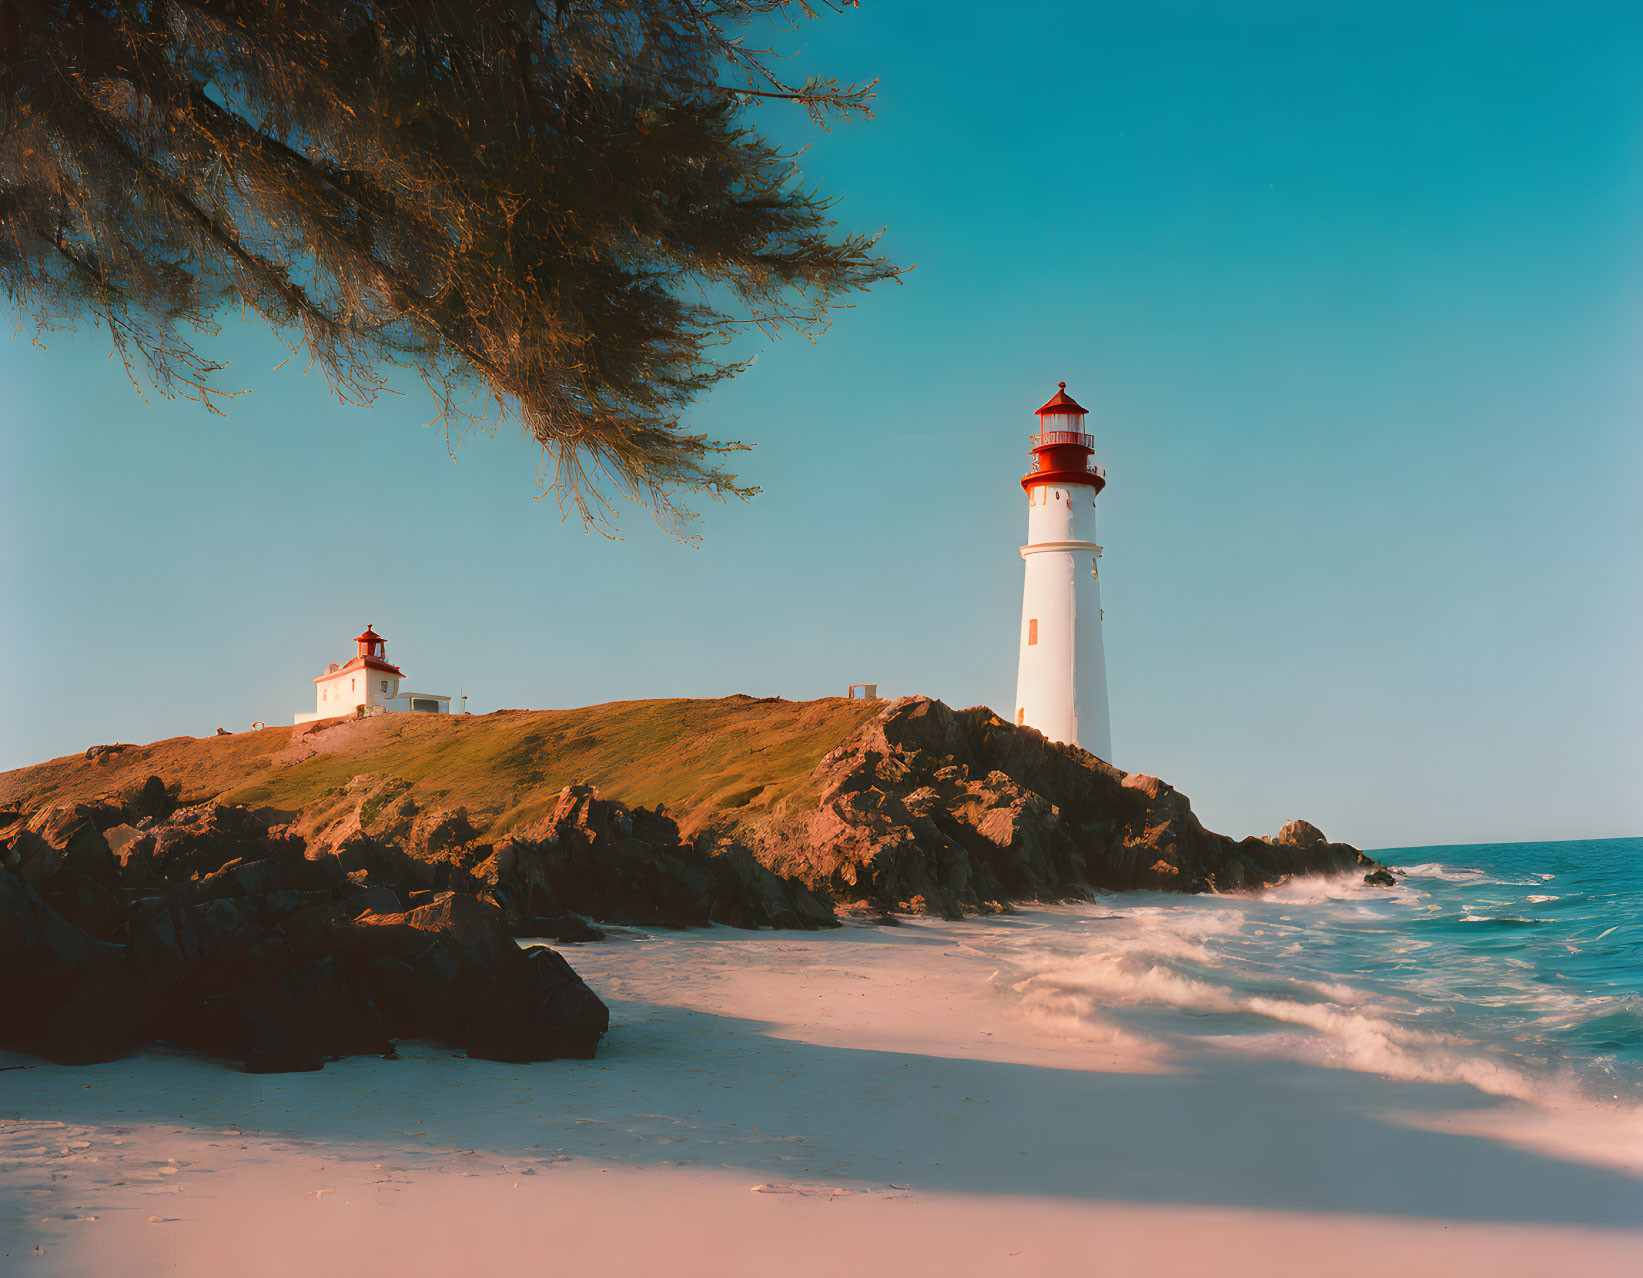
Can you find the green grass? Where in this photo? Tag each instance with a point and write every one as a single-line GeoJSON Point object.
{"type": "Point", "coordinates": [709, 762]}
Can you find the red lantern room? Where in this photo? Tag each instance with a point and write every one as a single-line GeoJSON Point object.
{"type": "Point", "coordinates": [370, 644]}
{"type": "Point", "coordinates": [1061, 449]}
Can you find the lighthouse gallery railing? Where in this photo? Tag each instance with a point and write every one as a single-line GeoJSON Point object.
{"type": "Point", "coordinates": [1051, 438]}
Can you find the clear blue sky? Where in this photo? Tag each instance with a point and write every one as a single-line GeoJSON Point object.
{"type": "Point", "coordinates": [1355, 292]}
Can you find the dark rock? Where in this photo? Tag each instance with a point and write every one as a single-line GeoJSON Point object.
{"type": "Point", "coordinates": [85, 902]}
{"type": "Point", "coordinates": [438, 832]}
{"type": "Point", "coordinates": [563, 928]}
{"type": "Point", "coordinates": [757, 894]}
{"type": "Point", "coordinates": [35, 939]}
{"type": "Point", "coordinates": [55, 974]}
{"type": "Point", "coordinates": [547, 1014]}
{"type": "Point", "coordinates": [206, 947]}
{"type": "Point", "coordinates": [599, 858]}
{"type": "Point", "coordinates": [733, 914]}
{"type": "Point", "coordinates": [193, 843]}
{"type": "Point", "coordinates": [275, 960]}
{"type": "Point", "coordinates": [318, 1011]}
{"type": "Point", "coordinates": [384, 865]}
{"type": "Point", "coordinates": [1380, 878]}
{"type": "Point", "coordinates": [101, 1018]}
{"type": "Point", "coordinates": [69, 836]}
{"type": "Point", "coordinates": [1301, 834]}
{"type": "Point", "coordinates": [325, 927]}
{"type": "Point", "coordinates": [450, 969]}
{"type": "Point", "coordinates": [150, 802]}
{"type": "Point", "coordinates": [478, 930]}
{"type": "Point", "coordinates": [927, 809]}
{"type": "Point", "coordinates": [241, 878]}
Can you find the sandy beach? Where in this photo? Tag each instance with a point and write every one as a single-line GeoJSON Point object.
{"type": "Point", "coordinates": [812, 1103]}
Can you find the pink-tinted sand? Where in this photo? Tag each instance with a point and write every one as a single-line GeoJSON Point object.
{"type": "Point", "coordinates": [819, 1104]}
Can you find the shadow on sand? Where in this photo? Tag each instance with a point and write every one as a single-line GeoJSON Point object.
{"type": "Point", "coordinates": [680, 1087]}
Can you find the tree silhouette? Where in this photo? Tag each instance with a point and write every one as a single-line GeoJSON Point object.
{"type": "Point", "coordinates": [554, 210]}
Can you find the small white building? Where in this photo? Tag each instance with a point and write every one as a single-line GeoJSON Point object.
{"type": "Point", "coordinates": [368, 685]}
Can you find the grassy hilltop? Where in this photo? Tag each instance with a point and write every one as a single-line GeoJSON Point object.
{"type": "Point", "coordinates": [702, 759]}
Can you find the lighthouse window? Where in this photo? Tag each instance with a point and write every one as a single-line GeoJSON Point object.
{"type": "Point", "coordinates": [385, 685]}
{"type": "Point", "coordinates": [1032, 631]}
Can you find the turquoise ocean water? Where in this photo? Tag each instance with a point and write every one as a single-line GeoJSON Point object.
{"type": "Point", "coordinates": [1515, 967]}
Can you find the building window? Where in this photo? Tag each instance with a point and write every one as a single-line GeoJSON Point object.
{"type": "Point", "coordinates": [353, 684]}
{"type": "Point", "coordinates": [1032, 632]}
{"type": "Point", "coordinates": [385, 685]}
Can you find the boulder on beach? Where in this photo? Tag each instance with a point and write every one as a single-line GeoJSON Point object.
{"type": "Point", "coordinates": [223, 937]}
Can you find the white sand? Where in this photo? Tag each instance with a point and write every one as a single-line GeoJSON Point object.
{"type": "Point", "coordinates": [804, 1104]}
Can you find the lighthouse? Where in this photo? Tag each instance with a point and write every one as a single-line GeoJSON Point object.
{"type": "Point", "coordinates": [1061, 687]}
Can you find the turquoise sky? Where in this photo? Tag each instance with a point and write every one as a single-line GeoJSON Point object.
{"type": "Point", "coordinates": [1355, 293]}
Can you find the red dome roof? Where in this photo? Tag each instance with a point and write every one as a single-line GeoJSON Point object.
{"type": "Point", "coordinates": [1061, 402]}
{"type": "Point", "coordinates": [370, 636]}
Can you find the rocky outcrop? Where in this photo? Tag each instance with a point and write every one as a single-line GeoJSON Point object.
{"type": "Point", "coordinates": [212, 931]}
{"type": "Point", "coordinates": [375, 909]}
{"type": "Point", "coordinates": [927, 808]}
{"type": "Point", "coordinates": [916, 808]}
{"type": "Point", "coordinates": [597, 857]}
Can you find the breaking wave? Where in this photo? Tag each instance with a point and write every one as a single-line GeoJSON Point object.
{"type": "Point", "coordinates": [1460, 974]}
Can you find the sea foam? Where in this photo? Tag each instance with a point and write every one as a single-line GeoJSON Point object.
{"type": "Point", "coordinates": [1457, 975]}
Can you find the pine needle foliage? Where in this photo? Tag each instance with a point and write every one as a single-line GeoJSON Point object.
{"type": "Point", "coordinates": [557, 211]}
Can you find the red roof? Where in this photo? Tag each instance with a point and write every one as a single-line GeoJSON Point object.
{"type": "Point", "coordinates": [361, 663]}
{"type": "Point", "coordinates": [371, 636]}
{"type": "Point", "coordinates": [1061, 402]}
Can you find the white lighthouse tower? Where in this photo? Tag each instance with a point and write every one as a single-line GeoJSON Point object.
{"type": "Point", "coordinates": [1062, 686]}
